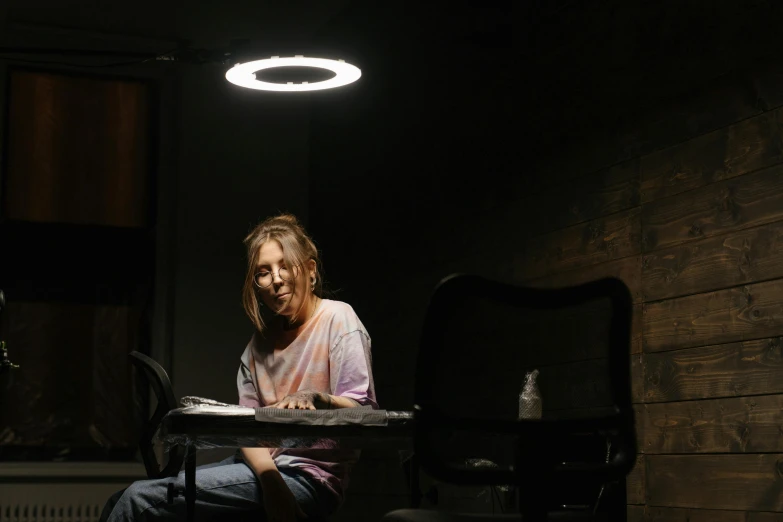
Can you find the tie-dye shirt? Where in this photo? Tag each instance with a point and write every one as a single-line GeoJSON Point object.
{"type": "Point", "coordinates": [330, 353]}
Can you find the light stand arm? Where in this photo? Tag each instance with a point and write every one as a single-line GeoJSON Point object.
{"type": "Point", "coordinates": [76, 52]}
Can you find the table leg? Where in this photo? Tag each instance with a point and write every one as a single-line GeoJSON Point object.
{"type": "Point", "coordinates": [190, 482]}
{"type": "Point", "coordinates": [414, 481]}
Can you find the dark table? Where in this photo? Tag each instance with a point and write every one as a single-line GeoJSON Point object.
{"type": "Point", "coordinates": [199, 427]}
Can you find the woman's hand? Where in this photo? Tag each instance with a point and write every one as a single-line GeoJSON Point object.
{"type": "Point", "coordinates": [303, 400]}
{"type": "Point", "coordinates": [312, 400]}
{"type": "Point", "coordinates": [279, 503]}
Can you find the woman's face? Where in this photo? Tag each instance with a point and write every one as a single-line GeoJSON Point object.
{"type": "Point", "coordinates": [284, 295]}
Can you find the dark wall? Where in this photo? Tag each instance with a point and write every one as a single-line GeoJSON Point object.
{"type": "Point", "coordinates": [428, 130]}
{"type": "Point", "coordinates": [633, 139]}
{"type": "Point", "coordinates": [428, 133]}
{"type": "Point", "coordinates": [241, 158]}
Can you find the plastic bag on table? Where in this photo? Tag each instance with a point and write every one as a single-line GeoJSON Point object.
{"type": "Point", "coordinates": [192, 400]}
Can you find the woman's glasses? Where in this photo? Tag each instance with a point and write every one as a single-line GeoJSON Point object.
{"type": "Point", "coordinates": [264, 278]}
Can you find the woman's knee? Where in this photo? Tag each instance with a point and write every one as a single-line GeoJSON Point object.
{"type": "Point", "coordinates": [138, 497]}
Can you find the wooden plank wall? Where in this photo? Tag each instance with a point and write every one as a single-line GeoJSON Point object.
{"type": "Point", "coordinates": [688, 211]}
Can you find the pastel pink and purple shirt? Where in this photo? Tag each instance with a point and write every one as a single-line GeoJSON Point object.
{"type": "Point", "coordinates": [330, 353]}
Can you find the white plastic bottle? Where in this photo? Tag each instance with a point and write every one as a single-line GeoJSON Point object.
{"type": "Point", "coordinates": [530, 397]}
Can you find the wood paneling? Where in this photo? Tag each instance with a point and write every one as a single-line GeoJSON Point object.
{"type": "Point", "coordinates": [635, 514]}
{"type": "Point", "coordinates": [746, 312]}
{"type": "Point", "coordinates": [636, 329]}
{"type": "Point", "coordinates": [735, 204]}
{"type": "Point", "coordinates": [638, 411]}
{"type": "Point", "coordinates": [717, 103]}
{"type": "Point", "coordinates": [726, 370]}
{"type": "Point", "coordinates": [635, 482]}
{"type": "Point", "coordinates": [714, 263]}
{"type": "Point", "coordinates": [605, 239]}
{"type": "Point", "coordinates": [764, 517]}
{"type": "Point", "coordinates": [750, 482]}
{"type": "Point", "coordinates": [628, 270]}
{"type": "Point", "coordinates": [736, 425]}
{"type": "Point", "coordinates": [749, 145]}
{"type": "Point", "coordinates": [602, 193]}
{"type": "Point", "coordinates": [637, 377]}
{"type": "Point", "coordinates": [712, 105]}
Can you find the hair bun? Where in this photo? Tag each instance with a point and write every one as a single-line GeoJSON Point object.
{"type": "Point", "coordinates": [286, 218]}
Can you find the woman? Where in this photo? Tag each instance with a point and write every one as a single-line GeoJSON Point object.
{"type": "Point", "coordinates": [306, 353]}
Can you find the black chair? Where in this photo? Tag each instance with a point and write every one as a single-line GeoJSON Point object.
{"type": "Point", "coordinates": [155, 376]}
{"type": "Point", "coordinates": [543, 462]}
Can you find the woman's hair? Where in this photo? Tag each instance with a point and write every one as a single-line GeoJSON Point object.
{"type": "Point", "coordinates": [297, 248]}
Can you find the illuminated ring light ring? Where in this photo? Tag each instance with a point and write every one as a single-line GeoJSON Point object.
{"type": "Point", "coordinates": [243, 74]}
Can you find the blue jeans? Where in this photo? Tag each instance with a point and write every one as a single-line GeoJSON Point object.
{"type": "Point", "coordinates": [226, 491]}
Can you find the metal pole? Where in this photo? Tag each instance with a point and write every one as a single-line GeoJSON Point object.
{"type": "Point", "coordinates": [190, 482]}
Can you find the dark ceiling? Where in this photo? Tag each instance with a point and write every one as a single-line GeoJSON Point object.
{"type": "Point", "coordinates": [566, 66]}
{"type": "Point", "coordinates": [201, 22]}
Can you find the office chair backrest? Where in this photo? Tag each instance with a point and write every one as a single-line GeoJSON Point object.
{"type": "Point", "coordinates": [156, 377]}
{"type": "Point", "coordinates": [542, 458]}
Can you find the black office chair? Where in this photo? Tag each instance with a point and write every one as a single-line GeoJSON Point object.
{"type": "Point", "coordinates": [542, 463]}
{"type": "Point", "coordinates": [158, 380]}
{"type": "Point", "coordinates": [156, 377]}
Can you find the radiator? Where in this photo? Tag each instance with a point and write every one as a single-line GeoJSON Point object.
{"type": "Point", "coordinates": [44, 513]}
{"type": "Point", "coordinates": [55, 492]}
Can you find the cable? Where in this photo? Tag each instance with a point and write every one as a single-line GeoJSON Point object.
{"type": "Point", "coordinates": [601, 491]}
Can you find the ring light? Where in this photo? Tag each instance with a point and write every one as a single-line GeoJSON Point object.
{"type": "Point", "coordinates": [243, 74]}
